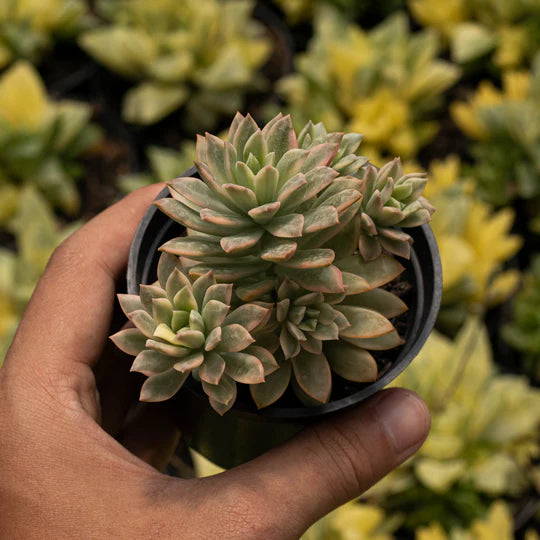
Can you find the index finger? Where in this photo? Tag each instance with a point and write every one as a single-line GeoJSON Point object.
{"type": "Point", "coordinates": [69, 315]}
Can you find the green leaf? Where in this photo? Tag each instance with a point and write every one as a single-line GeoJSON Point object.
{"type": "Point", "coordinates": [148, 293]}
{"type": "Point", "coordinates": [163, 385]}
{"type": "Point", "coordinates": [184, 299]}
{"type": "Point", "coordinates": [250, 316]}
{"type": "Point", "coordinates": [200, 286]}
{"type": "Point", "coordinates": [212, 369]}
{"type": "Point", "coordinates": [152, 362]}
{"type": "Point", "coordinates": [325, 280]}
{"type": "Point", "coordinates": [350, 362]}
{"type": "Point", "coordinates": [377, 273]}
{"type": "Point", "coordinates": [224, 392]}
{"type": "Point", "coordinates": [380, 343]}
{"type": "Point", "coordinates": [162, 311]}
{"type": "Point", "coordinates": [268, 392]}
{"type": "Point", "coordinates": [320, 218]}
{"type": "Point", "coordinates": [364, 323]}
{"type": "Point", "coordinates": [213, 340]}
{"type": "Point", "coordinates": [189, 362]}
{"type": "Point", "coordinates": [143, 321]}
{"type": "Point", "coordinates": [166, 265]}
{"type": "Point", "coordinates": [195, 194]}
{"type": "Point", "coordinates": [149, 102]}
{"type": "Point", "coordinates": [387, 304]}
{"type": "Point", "coordinates": [354, 284]}
{"type": "Point", "coordinates": [310, 258]}
{"type": "Point", "coordinates": [289, 226]}
{"type": "Point", "coordinates": [129, 302]}
{"type": "Point", "coordinates": [130, 341]}
{"type": "Point", "coordinates": [235, 338]}
{"type": "Point", "coordinates": [214, 313]}
{"type": "Point", "coordinates": [221, 292]}
{"type": "Point", "coordinates": [264, 213]}
{"type": "Point", "coordinates": [249, 293]}
{"type": "Point", "coordinates": [278, 249]}
{"type": "Point", "coordinates": [175, 283]}
{"type": "Point", "coordinates": [168, 349]}
{"type": "Point", "coordinates": [244, 368]}
{"type": "Point", "coordinates": [312, 373]}
{"type": "Point", "coordinates": [281, 137]}
{"type": "Point", "coordinates": [242, 241]}
{"type": "Point", "coordinates": [190, 338]}
{"type": "Point", "coordinates": [265, 357]}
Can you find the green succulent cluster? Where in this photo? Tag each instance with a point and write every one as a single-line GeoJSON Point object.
{"type": "Point", "coordinates": [504, 125]}
{"type": "Point", "coordinates": [271, 223]}
{"type": "Point", "coordinates": [36, 234]}
{"type": "Point", "coordinates": [41, 141]}
{"type": "Point", "coordinates": [483, 439]}
{"type": "Point", "coordinates": [384, 83]}
{"type": "Point", "coordinates": [203, 54]}
{"type": "Point", "coordinates": [523, 332]}
{"type": "Point", "coordinates": [29, 28]}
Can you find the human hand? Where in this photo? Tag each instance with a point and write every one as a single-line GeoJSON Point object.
{"type": "Point", "coordinates": [71, 467]}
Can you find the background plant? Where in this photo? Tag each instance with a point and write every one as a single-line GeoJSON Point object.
{"type": "Point", "coordinates": [385, 83]}
{"type": "Point", "coordinates": [28, 29]}
{"type": "Point", "coordinates": [523, 330]}
{"type": "Point", "coordinates": [41, 141]}
{"type": "Point", "coordinates": [203, 54]}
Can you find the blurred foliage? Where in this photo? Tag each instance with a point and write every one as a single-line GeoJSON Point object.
{"type": "Point", "coordinates": [302, 10]}
{"type": "Point", "coordinates": [509, 30]}
{"type": "Point", "coordinates": [523, 333]}
{"type": "Point", "coordinates": [37, 233]}
{"type": "Point", "coordinates": [474, 242]}
{"type": "Point", "coordinates": [28, 28]}
{"type": "Point", "coordinates": [505, 125]}
{"type": "Point", "coordinates": [483, 439]}
{"type": "Point", "coordinates": [385, 83]}
{"type": "Point", "coordinates": [164, 165]}
{"type": "Point", "coordinates": [360, 521]}
{"type": "Point", "coordinates": [40, 141]}
{"type": "Point", "coordinates": [200, 53]}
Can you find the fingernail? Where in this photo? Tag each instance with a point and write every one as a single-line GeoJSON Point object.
{"type": "Point", "coordinates": [405, 418]}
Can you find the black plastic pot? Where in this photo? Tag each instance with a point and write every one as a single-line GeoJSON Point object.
{"type": "Point", "coordinates": [244, 432]}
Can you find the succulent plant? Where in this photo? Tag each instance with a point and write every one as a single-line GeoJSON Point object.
{"type": "Point", "coordinates": [504, 126]}
{"type": "Point", "coordinates": [320, 333]}
{"type": "Point", "coordinates": [523, 331]}
{"type": "Point", "coordinates": [264, 202]}
{"type": "Point", "coordinates": [474, 243]}
{"type": "Point", "coordinates": [41, 141]}
{"type": "Point", "coordinates": [203, 54]}
{"type": "Point", "coordinates": [185, 327]}
{"type": "Point", "coordinates": [390, 200]}
{"type": "Point", "coordinates": [29, 28]}
{"type": "Point", "coordinates": [483, 440]}
{"type": "Point", "coordinates": [36, 234]}
{"type": "Point", "coordinates": [383, 83]}
{"type": "Point", "coordinates": [274, 220]}
{"type": "Point", "coordinates": [507, 31]}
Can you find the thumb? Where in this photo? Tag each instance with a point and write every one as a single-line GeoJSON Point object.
{"type": "Point", "coordinates": [280, 494]}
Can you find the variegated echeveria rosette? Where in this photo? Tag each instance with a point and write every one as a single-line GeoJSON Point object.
{"type": "Point", "coordinates": [302, 233]}
{"type": "Point", "coordinates": [184, 326]}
